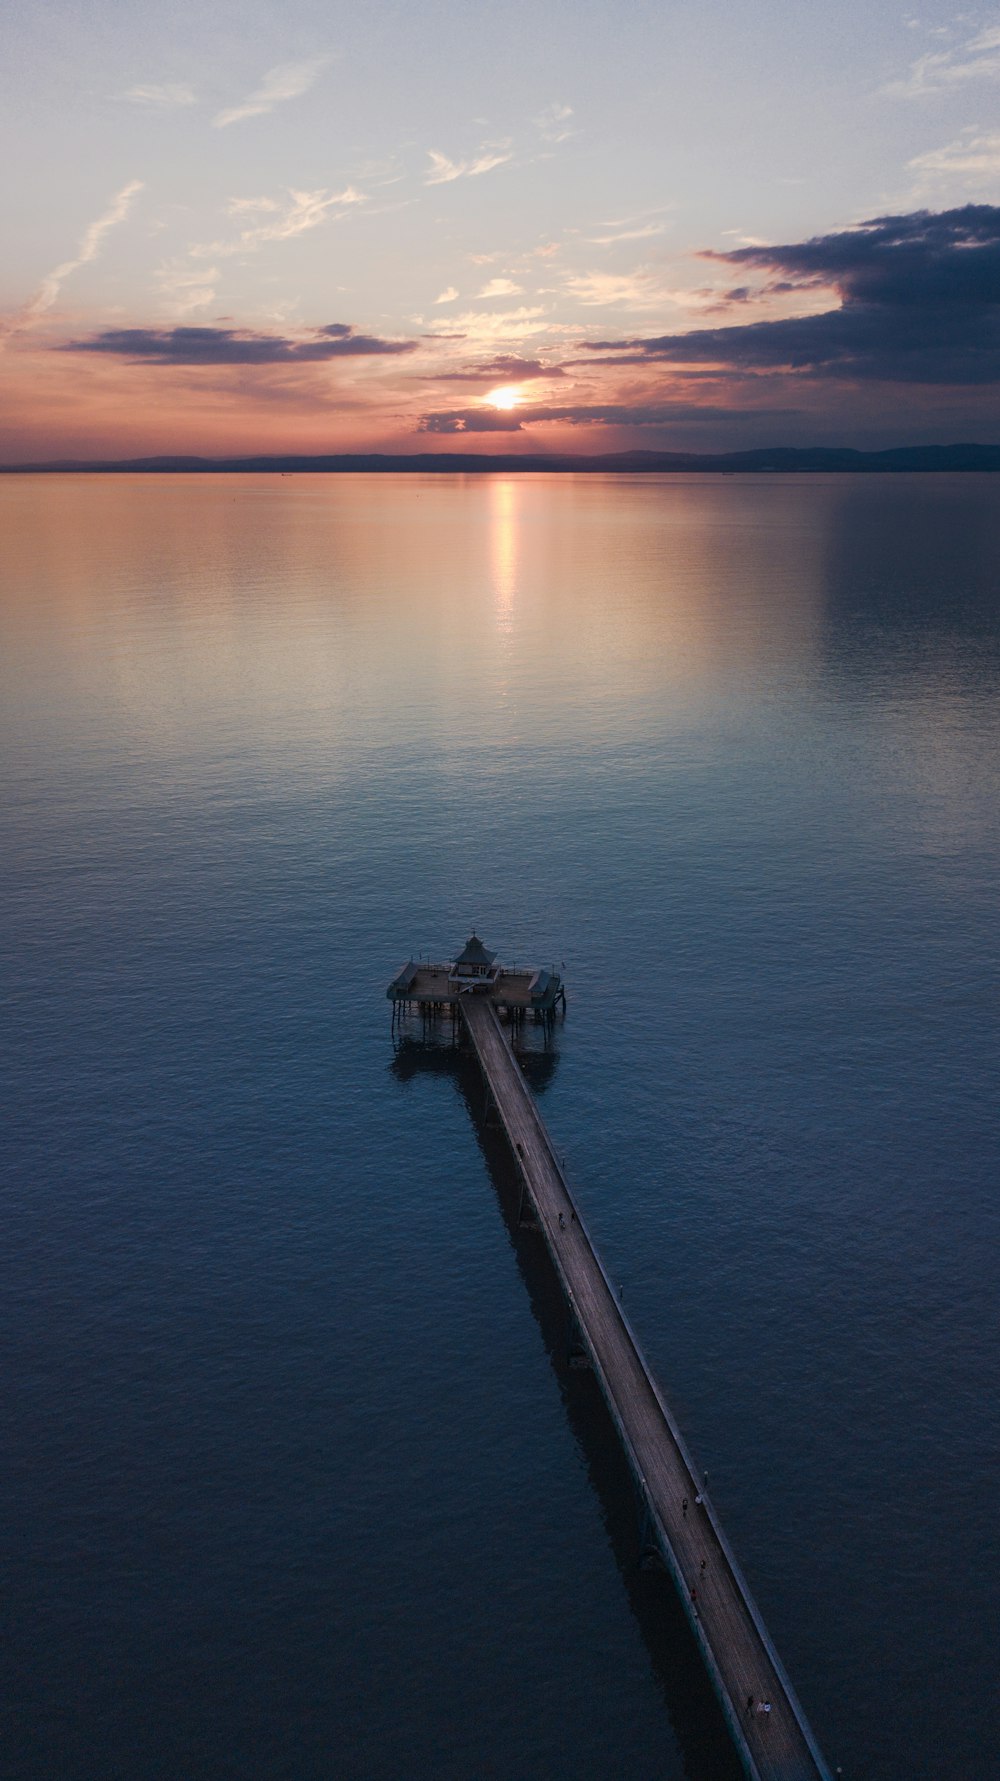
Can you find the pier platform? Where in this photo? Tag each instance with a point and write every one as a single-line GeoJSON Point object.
{"type": "Point", "coordinates": [511, 990]}
{"type": "Point", "coordinates": [477, 973]}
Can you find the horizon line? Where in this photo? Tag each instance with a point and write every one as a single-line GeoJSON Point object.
{"type": "Point", "coordinates": [959, 456]}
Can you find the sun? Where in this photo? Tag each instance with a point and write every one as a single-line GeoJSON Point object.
{"type": "Point", "coordinates": [507, 396]}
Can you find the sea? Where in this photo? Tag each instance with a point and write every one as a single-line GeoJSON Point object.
{"type": "Point", "coordinates": [298, 1481]}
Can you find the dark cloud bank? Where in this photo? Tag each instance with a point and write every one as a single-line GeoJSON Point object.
{"type": "Point", "coordinates": [232, 346]}
{"type": "Point", "coordinates": [920, 304]}
{"type": "Point", "coordinates": [589, 414]}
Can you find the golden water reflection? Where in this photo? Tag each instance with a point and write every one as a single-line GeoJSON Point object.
{"type": "Point", "coordinates": [503, 549]}
{"type": "Point", "coordinates": [309, 614]}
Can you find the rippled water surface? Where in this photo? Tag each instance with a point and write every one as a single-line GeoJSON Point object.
{"type": "Point", "coordinates": [301, 1486]}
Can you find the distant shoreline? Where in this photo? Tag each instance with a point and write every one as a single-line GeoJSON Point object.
{"type": "Point", "coordinates": [782, 459]}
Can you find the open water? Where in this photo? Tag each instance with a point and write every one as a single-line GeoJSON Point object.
{"type": "Point", "coordinates": [299, 1484]}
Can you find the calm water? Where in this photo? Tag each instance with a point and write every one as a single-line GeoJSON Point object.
{"type": "Point", "coordinates": [300, 1485]}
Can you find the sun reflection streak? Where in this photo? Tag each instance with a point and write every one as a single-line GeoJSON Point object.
{"type": "Point", "coordinates": [503, 551]}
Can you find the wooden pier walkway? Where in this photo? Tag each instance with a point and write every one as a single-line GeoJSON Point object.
{"type": "Point", "coordinates": [743, 1665]}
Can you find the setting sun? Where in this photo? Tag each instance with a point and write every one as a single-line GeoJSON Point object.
{"type": "Point", "coordinates": [507, 396]}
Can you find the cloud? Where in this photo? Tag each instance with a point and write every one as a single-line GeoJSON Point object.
{"type": "Point", "coordinates": [306, 211]}
{"type": "Point", "coordinates": [919, 304]}
{"type": "Point", "coordinates": [553, 122]}
{"type": "Point", "coordinates": [975, 159]}
{"type": "Point", "coordinates": [167, 97]}
{"type": "Point", "coordinates": [626, 235]}
{"type": "Point", "coordinates": [596, 414]}
{"type": "Point", "coordinates": [505, 367]}
{"type": "Point", "coordinates": [470, 420]}
{"type": "Point", "coordinates": [637, 290]}
{"type": "Point", "coordinates": [90, 246]}
{"type": "Point", "coordinates": [501, 287]}
{"type": "Point", "coordinates": [234, 346]}
{"type": "Point", "coordinates": [289, 80]}
{"type": "Point", "coordinates": [710, 300]}
{"type": "Point", "coordinates": [497, 325]}
{"type": "Point", "coordinates": [443, 171]}
{"type": "Point", "coordinates": [744, 239]}
{"type": "Point", "coordinates": [251, 206]}
{"type": "Point", "coordinates": [185, 288]}
{"type": "Point", "coordinates": [976, 59]}
{"type": "Point", "coordinates": [447, 296]}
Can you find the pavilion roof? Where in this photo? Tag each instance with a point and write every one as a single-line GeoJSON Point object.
{"type": "Point", "coordinates": [475, 953]}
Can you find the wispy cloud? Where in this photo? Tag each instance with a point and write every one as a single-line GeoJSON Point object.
{"type": "Point", "coordinates": [443, 171]}
{"type": "Point", "coordinates": [501, 287]}
{"type": "Point", "coordinates": [978, 58]}
{"type": "Point", "coordinates": [744, 240]}
{"type": "Point", "coordinates": [638, 290]}
{"type": "Point", "coordinates": [307, 210]}
{"type": "Point", "coordinates": [251, 206]}
{"type": "Point", "coordinates": [554, 124]}
{"type": "Point", "coordinates": [289, 80]}
{"type": "Point", "coordinates": [973, 158]}
{"type": "Point", "coordinates": [502, 368]}
{"type": "Point", "coordinates": [626, 235]}
{"type": "Point", "coordinates": [168, 96]}
{"type": "Point", "coordinates": [185, 289]}
{"type": "Point", "coordinates": [90, 246]}
{"type": "Point", "coordinates": [637, 216]}
{"type": "Point", "coordinates": [447, 296]}
{"type": "Point", "coordinates": [498, 325]}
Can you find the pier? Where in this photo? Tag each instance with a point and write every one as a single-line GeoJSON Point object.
{"type": "Point", "coordinates": [436, 988]}
{"type": "Point", "coordinates": [766, 1722]}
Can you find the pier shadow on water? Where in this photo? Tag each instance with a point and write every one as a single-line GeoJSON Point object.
{"type": "Point", "coordinates": [703, 1740]}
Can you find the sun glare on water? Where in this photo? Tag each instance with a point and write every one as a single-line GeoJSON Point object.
{"type": "Point", "coordinates": [507, 396]}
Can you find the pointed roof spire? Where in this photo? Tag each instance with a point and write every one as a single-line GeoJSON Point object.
{"type": "Point", "coordinates": [474, 952]}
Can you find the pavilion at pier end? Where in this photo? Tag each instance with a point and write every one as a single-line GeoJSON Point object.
{"type": "Point", "coordinates": [511, 989]}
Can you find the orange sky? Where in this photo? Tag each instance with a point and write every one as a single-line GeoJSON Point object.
{"type": "Point", "coordinates": [637, 229]}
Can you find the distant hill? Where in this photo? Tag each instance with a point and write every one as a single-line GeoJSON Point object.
{"type": "Point", "coordinates": [781, 459]}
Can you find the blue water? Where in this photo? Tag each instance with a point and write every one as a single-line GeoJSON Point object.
{"type": "Point", "coordinates": [300, 1485]}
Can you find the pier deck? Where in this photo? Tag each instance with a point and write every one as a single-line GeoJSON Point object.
{"type": "Point", "coordinates": [741, 1661]}
{"type": "Point", "coordinates": [436, 986]}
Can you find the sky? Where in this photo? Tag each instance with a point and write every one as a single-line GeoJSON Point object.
{"type": "Point", "coordinates": [576, 227]}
